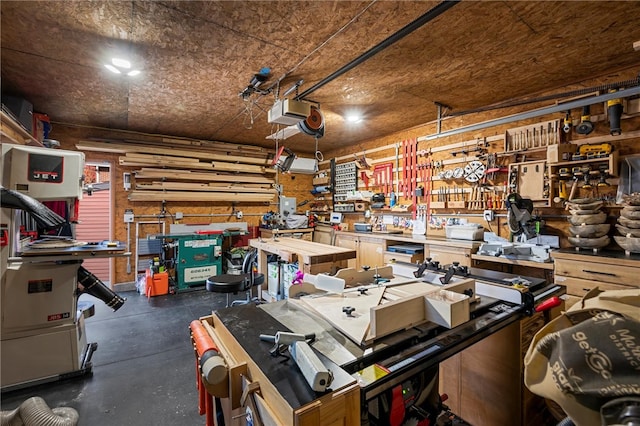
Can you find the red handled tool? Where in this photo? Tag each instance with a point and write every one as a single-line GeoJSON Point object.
{"type": "Point", "coordinates": [548, 304]}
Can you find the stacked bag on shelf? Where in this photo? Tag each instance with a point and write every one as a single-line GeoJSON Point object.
{"type": "Point", "coordinates": [629, 224]}
{"type": "Point", "coordinates": [588, 230]}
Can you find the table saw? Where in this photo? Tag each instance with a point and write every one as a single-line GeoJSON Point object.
{"type": "Point", "coordinates": [389, 380]}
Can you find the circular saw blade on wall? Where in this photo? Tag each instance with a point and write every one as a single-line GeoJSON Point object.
{"type": "Point", "coordinates": [474, 170]}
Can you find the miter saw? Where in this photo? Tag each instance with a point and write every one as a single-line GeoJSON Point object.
{"type": "Point", "coordinates": [520, 216]}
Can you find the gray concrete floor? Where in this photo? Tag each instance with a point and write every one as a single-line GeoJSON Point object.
{"type": "Point", "coordinates": [144, 368]}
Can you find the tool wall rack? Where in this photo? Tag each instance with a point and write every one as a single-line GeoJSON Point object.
{"type": "Point", "coordinates": [529, 179]}
{"type": "Point", "coordinates": [346, 180]}
{"type": "Point", "coordinates": [539, 135]}
{"type": "Point", "coordinates": [323, 200]}
{"type": "Point", "coordinates": [580, 172]}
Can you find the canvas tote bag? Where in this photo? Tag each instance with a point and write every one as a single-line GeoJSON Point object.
{"type": "Point", "coordinates": [589, 355]}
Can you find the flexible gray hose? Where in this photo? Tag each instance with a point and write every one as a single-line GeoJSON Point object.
{"type": "Point", "coordinates": [35, 412]}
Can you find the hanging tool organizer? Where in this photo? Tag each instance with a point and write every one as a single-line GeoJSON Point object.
{"type": "Point", "coordinates": [383, 178]}
{"type": "Point", "coordinates": [537, 135]}
{"type": "Point", "coordinates": [409, 175]}
{"type": "Point", "coordinates": [346, 181]}
{"type": "Point", "coordinates": [445, 171]}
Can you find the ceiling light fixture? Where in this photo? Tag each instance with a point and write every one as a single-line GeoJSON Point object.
{"type": "Point", "coordinates": [353, 118]}
{"type": "Point", "coordinates": [112, 69]}
{"type": "Point", "coordinates": [121, 66]}
{"type": "Point", "coordinates": [121, 63]}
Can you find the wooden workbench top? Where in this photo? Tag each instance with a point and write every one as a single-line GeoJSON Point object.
{"type": "Point", "coordinates": [286, 231]}
{"type": "Point", "coordinates": [307, 252]}
{"type": "Point", "coordinates": [613, 257]}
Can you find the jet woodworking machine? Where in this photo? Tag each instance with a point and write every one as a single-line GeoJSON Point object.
{"type": "Point", "coordinates": [42, 327]}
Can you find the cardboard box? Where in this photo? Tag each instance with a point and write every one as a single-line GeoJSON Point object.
{"type": "Point", "coordinates": [560, 152]}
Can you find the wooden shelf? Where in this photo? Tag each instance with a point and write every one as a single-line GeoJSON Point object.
{"type": "Point", "coordinates": [12, 132]}
{"type": "Point", "coordinates": [611, 158]}
{"type": "Point", "coordinates": [517, 262]}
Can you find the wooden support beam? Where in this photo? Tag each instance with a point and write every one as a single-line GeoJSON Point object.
{"type": "Point", "coordinates": [230, 185]}
{"type": "Point", "coordinates": [243, 185]}
{"type": "Point", "coordinates": [163, 141]}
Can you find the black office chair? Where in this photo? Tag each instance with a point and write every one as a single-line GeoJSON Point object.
{"type": "Point", "coordinates": [235, 283]}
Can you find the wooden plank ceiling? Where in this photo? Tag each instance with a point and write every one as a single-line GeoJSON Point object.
{"type": "Point", "coordinates": [197, 57]}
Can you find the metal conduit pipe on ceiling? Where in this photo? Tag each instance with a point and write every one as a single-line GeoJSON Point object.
{"type": "Point", "coordinates": [624, 93]}
{"type": "Point", "coordinates": [398, 35]}
{"type": "Point", "coordinates": [603, 88]}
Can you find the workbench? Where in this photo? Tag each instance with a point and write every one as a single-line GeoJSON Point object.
{"type": "Point", "coordinates": [583, 270]}
{"type": "Point", "coordinates": [301, 233]}
{"type": "Point", "coordinates": [528, 267]}
{"type": "Point", "coordinates": [371, 247]}
{"type": "Point", "coordinates": [312, 258]}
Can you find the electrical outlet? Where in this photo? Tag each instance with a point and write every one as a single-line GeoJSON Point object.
{"type": "Point", "coordinates": [488, 215]}
{"type": "Point", "coordinates": [179, 215]}
{"type": "Point", "coordinates": [126, 181]}
{"type": "Point", "coordinates": [128, 216]}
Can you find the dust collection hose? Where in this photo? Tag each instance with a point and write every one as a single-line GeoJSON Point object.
{"type": "Point", "coordinates": [212, 364]}
{"type": "Point", "coordinates": [35, 412]}
{"type": "Point", "coordinates": [89, 283]}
